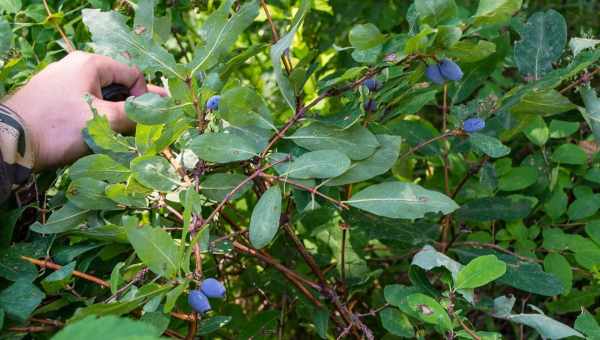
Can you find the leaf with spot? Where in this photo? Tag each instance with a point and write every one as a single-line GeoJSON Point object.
{"type": "Point", "coordinates": [401, 200]}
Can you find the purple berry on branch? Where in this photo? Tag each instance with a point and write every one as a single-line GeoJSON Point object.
{"type": "Point", "coordinates": [450, 70]}
{"type": "Point", "coordinates": [473, 125]}
{"type": "Point", "coordinates": [434, 75]}
{"type": "Point", "coordinates": [213, 288]}
{"type": "Point", "coordinates": [199, 301]}
{"type": "Point", "coordinates": [213, 102]}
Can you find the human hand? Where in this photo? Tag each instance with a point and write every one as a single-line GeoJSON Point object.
{"type": "Point", "coordinates": [54, 110]}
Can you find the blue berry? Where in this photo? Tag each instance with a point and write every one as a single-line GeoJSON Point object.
{"type": "Point", "coordinates": [199, 301]}
{"type": "Point", "coordinates": [213, 288]}
{"type": "Point", "coordinates": [473, 125]}
{"type": "Point", "coordinates": [370, 105]}
{"type": "Point", "coordinates": [372, 84]}
{"type": "Point", "coordinates": [450, 70]}
{"type": "Point", "coordinates": [434, 75]}
{"type": "Point", "coordinates": [213, 102]}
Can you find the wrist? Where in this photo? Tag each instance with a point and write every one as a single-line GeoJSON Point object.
{"type": "Point", "coordinates": [17, 142]}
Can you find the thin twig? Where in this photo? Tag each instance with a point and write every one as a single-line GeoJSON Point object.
{"type": "Point", "coordinates": [68, 44]}
{"type": "Point", "coordinates": [429, 141]}
{"type": "Point", "coordinates": [51, 265]}
{"type": "Point", "coordinates": [313, 191]}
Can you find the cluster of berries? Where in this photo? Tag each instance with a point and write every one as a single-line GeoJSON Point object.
{"type": "Point", "coordinates": [210, 288]}
{"type": "Point", "coordinates": [445, 70]}
{"type": "Point", "coordinates": [373, 85]}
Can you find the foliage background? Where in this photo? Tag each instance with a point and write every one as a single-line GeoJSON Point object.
{"type": "Point", "coordinates": [535, 208]}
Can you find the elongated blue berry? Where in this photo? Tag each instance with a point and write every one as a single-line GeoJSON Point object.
{"type": "Point", "coordinates": [199, 301]}
{"type": "Point", "coordinates": [473, 125]}
{"type": "Point", "coordinates": [434, 75]}
{"type": "Point", "coordinates": [213, 102]}
{"type": "Point", "coordinates": [372, 84]}
{"type": "Point", "coordinates": [371, 105]}
{"type": "Point", "coordinates": [213, 288]}
{"type": "Point", "coordinates": [450, 70]}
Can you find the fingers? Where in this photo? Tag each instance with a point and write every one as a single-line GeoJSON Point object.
{"type": "Point", "coordinates": [115, 113]}
{"type": "Point", "coordinates": [161, 91]}
{"type": "Point", "coordinates": [110, 71]}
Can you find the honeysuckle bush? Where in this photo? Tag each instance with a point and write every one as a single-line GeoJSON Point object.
{"type": "Point", "coordinates": [347, 169]}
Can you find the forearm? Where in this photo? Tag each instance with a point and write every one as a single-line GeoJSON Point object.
{"type": "Point", "coordinates": [16, 152]}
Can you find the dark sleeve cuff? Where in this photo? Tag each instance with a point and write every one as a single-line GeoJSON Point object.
{"type": "Point", "coordinates": [16, 152]}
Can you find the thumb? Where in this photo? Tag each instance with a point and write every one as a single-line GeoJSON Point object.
{"type": "Point", "coordinates": [115, 113]}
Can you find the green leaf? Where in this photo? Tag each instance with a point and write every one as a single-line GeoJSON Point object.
{"type": "Point", "coordinates": [58, 280]}
{"type": "Point", "coordinates": [104, 137]}
{"type": "Point", "coordinates": [141, 296]}
{"type": "Point", "coordinates": [264, 222]}
{"type": "Point", "coordinates": [242, 106]}
{"type": "Point", "coordinates": [100, 167]}
{"type": "Point", "coordinates": [112, 37]}
{"type": "Point", "coordinates": [20, 299]}
{"type": "Point", "coordinates": [494, 208]}
{"type": "Point", "coordinates": [543, 102]}
{"type": "Point", "coordinates": [315, 164]}
{"type": "Point", "coordinates": [217, 186]}
{"type": "Point", "coordinates": [11, 6]}
{"type": "Point", "coordinates": [223, 147]}
{"type": "Point", "coordinates": [523, 275]}
{"type": "Point", "coordinates": [592, 110]}
{"type": "Point", "coordinates": [365, 36]}
{"type": "Point", "coordinates": [67, 218]}
{"type": "Point", "coordinates": [518, 178]}
{"type": "Point", "coordinates": [279, 48]}
{"type": "Point", "coordinates": [488, 145]}
{"type": "Point", "coordinates": [537, 131]}
{"type": "Point", "coordinates": [152, 109]}
{"type": "Point", "coordinates": [377, 164]}
{"type": "Point", "coordinates": [155, 248]}
{"type": "Point", "coordinates": [569, 154]}
{"type": "Point", "coordinates": [220, 31]}
{"type": "Point", "coordinates": [321, 322]}
{"type": "Point", "coordinates": [429, 258]}
{"type": "Point", "coordinates": [558, 265]}
{"type": "Point", "coordinates": [491, 12]}
{"type": "Point", "coordinates": [172, 296]}
{"type": "Point", "coordinates": [396, 323]}
{"type": "Point", "coordinates": [429, 310]}
{"type": "Point", "coordinates": [213, 324]}
{"type": "Point", "coordinates": [547, 327]}
{"type": "Point", "coordinates": [401, 200]}
{"type": "Point", "coordinates": [479, 272]}
{"type": "Point", "coordinates": [543, 39]}
{"type": "Point", "coordinates": [467, 51]}
{"type": "Point", "coordinates": [6, 36]}
{"type": "Point", "coordinates": [562, 129]}
{"type": "Point", "coordinates": [144, 18]}
{"type": "Point", "coordinates": [356, 142]}
{"type": "Point", "coordinates": [88, 194]}
{"type": "Point", "coordinates": [122, 194]}
{"type": "Point", "coordinates": [435, 12]}
{"type": "Point", "coordinates": [155, 172]}
{"type": "Point", "coordinates": [587, 324]}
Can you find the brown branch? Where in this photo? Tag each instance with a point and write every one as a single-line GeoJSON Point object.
{"type": "Point", "coordinates": [180, 170]}
{"type": "Point", "coordinates": [429, 141]}
{"type": "Point", "coordinates": [584, 78]}
{"type": "Point", "coordinates": [292, 276]}
{"type": "Point", "coordinates": [54, 266]}
{"type": "Point", "coordinates": [285, 59]}
{"type": "Point", "coordinates": [69, 45]}
{"type": "Point", "coordinates": [313, 191]}
{"type": "Point", "coordinates": [302, 110]}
